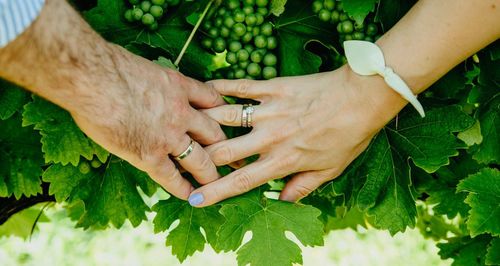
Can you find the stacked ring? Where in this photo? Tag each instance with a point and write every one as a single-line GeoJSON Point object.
{"type": "Point", "coordinates": [246, 115]}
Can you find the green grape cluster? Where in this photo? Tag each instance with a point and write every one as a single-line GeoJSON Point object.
{"type": "Point", "coordinates": [85, 166]}
{"type": "Point", "coordinates": [148, 12]}
{"type": "Point", "coordinates": [241, 28]}
{"type": "Point", "coordinates": [332, 11]}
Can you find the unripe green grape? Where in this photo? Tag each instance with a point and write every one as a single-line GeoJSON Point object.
{"type": "Point", "coordinates": [84, 167]}
{"type": "Point", "coordinates": [260, 41]}
{"type": "Point", "coordinates": [335, 17]}
{"type": "Point", "coordinates": [239, 73]}
{"type": "Point", "coordinates": [269, 72]}
{"type": "Point", "coordinates": [233, 4]}
{"type": "Point", "coordinates": [347, 26]}
{"type": "Point", "coordinates": [137, 13]}
{"type": "Point", "coordinates": [249, 28]}
{"type": "Point", "coordinates": [95, 163]}
{"type": "Point", "coordinates": [256, 31]}
{"type": "Point", "coordinates": [222, 11]}
{"type": "Point", "coordinates": [133, 2]}
{"type": "Point", "coordinates": [230, 74]}
{"type": "Point", "coordinates": [224, 32]}
{"type": "Point", "coordinates": [329, 4]}
{"type": "Point", "coordinates": [359, 27]}
{"type": "Point", "coordinates": [153, 26]}
{"type": "Point", "coordinates": [261, 3]}
{"type": "Point", "coordinates": [270, 59]}
{"type": "Point", "coordinates": [371, 29]}
{"type": "Point", "coordinates": [324, 15]}
{"type": "Point", "coordinates": [219, 45]}
{"type": "Point", "coordinates": [231, 58]}
{"type": "Point", "coordinates": [249, 48]}
{"type": "Point", "coordinates": [340, 6]}
{"type": "Point", "coordinates": [243, 64]}
{"type": "Point", "coordinates": [145, 6]}
{"type": "Point", "coordinates": [213, 32]}
{"type": "Point", "coordinates": [251, 20]}
{"type": "Point", "coordinates": [206, 25]}
{"type": "Point", "coordinates": [235, 46]}
{"type": "Point", "coordinates": [348, 37]}
{"type": "Point", "coordinates": [249, 2]}
{"type": "Point", "coordinates": [358, 35]}
{"type": "Point", "coordinates": [158, 2]}
{"type": "Point", "coordinates": [218, 75]}
{"type": "Point", "coordinates": [343, 16]}
{"type": "Point", "coordinates": [256, 56]}
{"type": "Point", "coordinates": [129, 16]}
{"type": "Point", "coordinates": [266, 29]}
{"type": "Point", "coordinates": [239, 29]}
{"type": "Point", "coordinates": [248, 10]}
{"type": "Point", "coordinates": [339, 28]}
{"type": "Point", "coordinates": [148, 19]}
{"type": "Point", "coordinates": [272, 42]}
{"type": "Point", "coordinates": [239, 16]}
{"type": "Point", "coordinates": [317, 5]}
{"type": "Point", "coordinates": [229, 21]}
{"type": "Point", "coordinates": [369, 39]}
{"type": "Point", "coordinates": [247, 37]}
{"type": "Point", "coordinates": [218, 22]}
{"type": "Point", "coordinates": [173, 2]}
{"type": "Point", "coordinates": [207, 43]}
{"type": "Point", "coordinates": [254, 70]}
{"type": "Point", "coordinates": [243, 55]}
{"type": "Point", "coordinates": [263, 11]}
{"type": "Point", "coordinates": [249, 77]}
{"type": "Point", "coordinates": [156, 11]}
{"type": "Point", "coordinates": [260, 19]}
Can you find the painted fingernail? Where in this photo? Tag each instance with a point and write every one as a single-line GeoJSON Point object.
{"type": "Point", "coordinates": [196, 199]}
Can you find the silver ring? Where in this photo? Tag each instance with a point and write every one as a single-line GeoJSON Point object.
{"type": "Point", "coordinates": [246, 115]}
{"type": "Point", "coordinates": [186, 152]}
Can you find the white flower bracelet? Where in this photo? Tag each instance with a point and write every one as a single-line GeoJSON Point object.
{"type": "Point", "coordinates": [367, 59]}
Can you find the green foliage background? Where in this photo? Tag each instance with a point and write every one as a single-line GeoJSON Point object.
{"type": "Point", "coordinates": [446, 162]}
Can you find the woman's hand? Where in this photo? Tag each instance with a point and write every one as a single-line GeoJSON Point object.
{"type": "Point", "coordinates": [314, 126]}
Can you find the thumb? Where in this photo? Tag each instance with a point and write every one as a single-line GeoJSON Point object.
{"type": "Point", "coordinates": [302, 184]}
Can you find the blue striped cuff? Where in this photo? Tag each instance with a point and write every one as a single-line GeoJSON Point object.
{"type": "Point", "coordinates": [16, 16]}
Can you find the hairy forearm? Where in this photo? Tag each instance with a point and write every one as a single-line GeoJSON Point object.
{"type": "Point", "coordinates": [430, 40]}
{"type": "Point", "coordinates": [63, 60]}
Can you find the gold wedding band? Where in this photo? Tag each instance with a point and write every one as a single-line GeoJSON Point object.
{"type": "Point", "coordinates": [186, 152]}
{"type": "Point", "coordinates": [246, 115]}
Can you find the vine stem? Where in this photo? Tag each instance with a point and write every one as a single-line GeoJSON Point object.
{"type": "Point", "coordinates": [186, 45]}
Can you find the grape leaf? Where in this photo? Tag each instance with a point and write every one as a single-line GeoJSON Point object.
{"type": "Point", "coordinates": [186, 238]}
{"type": "Point", "coordinates": [389, 12]}
{"type": "Point", "coordinates": [277, 7]}
{"type": "Point", "coordinates": [12, 98]}
{"type": "Point", "coordinates": [295, 28]}
{"type": "Point", "coordinates": [21, 160]}
{"type": "Point", "coordinates": [387, 191]}
{"type": "Point", "coordinates": [489, 119]}
{"type": "Point", "coordinates": [268, 220]}
{"type": "Point", "coordinates": [20, 224]}
{"type": "Point", "coordinates": [359, 9]}
{"type": "Point", "coordinates": [465, 251]}
{"type": "Point", "coordinates": [484, 200]}
{"type": "Point", "coordinates": [62, 140]}
{"type": "Point", "coordinates": [107, 19]}
{"type": "Point", "coordinates": [493, 255]}
{"type": "Point", "coordinates": [109, 194]}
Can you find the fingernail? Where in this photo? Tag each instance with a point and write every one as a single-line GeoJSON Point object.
{"type": "Point", "coordinates": [196, 199]}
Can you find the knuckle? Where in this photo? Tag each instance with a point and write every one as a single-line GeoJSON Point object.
{"type": "Point", "coordinates": [287, 163]}
{"type": "Point", "coordinates": [222, 155]}
{"type": "Point", "coordinates": [303, 191]}
{"type": "Point", "coordinates": [243, 89]}
{"type": "Point", "coordinates": [242, 181]}
{"type": "Point", "coordinates": [231, 116]}
{"type": "Point", "coordinates": [205, 164]}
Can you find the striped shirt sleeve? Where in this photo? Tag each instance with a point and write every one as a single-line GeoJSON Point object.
{"type": "Point", "coordinates": [16, 16]}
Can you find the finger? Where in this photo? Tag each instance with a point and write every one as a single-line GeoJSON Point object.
{"type": "Point", "coordinates": [197, 162]}
{"type": "Point", "coordinates": [232, 150]}
{"type": "Point", "coordinates": [167, 176]}
{"type": "Point", "coordinates": [238, 182]}
{"type": "Point", "coordinates": [203, 129]}
{"type": "Point", "coordinates": [302, 184]}
{"type": "Point", "coordinates": [244, 88]}
{"type": "Point", "coordinates": [200, 95]}
{"type": "Point", "coordinates": [231, 115]}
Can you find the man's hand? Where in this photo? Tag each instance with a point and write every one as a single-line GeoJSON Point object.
{"type": "Point", "coordinates": [132, 107]}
